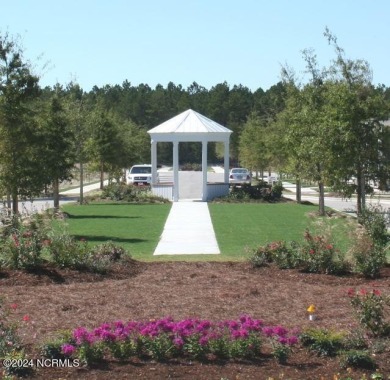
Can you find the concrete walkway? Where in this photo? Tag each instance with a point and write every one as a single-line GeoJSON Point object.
{"type": "Point", "coordinates": [188, 231]}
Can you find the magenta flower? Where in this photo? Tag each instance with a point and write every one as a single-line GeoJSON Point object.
{"type": "Point", "coordinates": [203, 341]}
{"type": "Point", "coordinates": [280, 330]}
{"type": "Point", "coordinates": [292, 340]}
{"type": "Point", "coordinates": [268, 331]}
{"type": "Point", "coordinates": [68, 349]}
{"type": "Point", "coordinates": [178, 342]}
{"type": "Point", "coordinates": [283, 340]}
{"type": "Point", "coordinates": [81, 335]}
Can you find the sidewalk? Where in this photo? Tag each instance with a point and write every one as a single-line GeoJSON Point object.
{"type": "Point", "coordinates": [188, 231]}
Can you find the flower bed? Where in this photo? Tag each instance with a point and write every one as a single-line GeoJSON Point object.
{"type": "Point", "coordinates": [165, 339]}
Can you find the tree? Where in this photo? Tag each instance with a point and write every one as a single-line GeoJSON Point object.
{"type": "Point", "coordinates": [57, 155]}
{"type": "Point", "coordinates": [19, 172]}
{"type": "Point", "coordinates": [253, 145]}
{"type": "Point", "coordinates": [78, 110]}
{"type": "Point", "coordinates": [360, 147]}
{"type": "Point", "coordinates": [304, 140]}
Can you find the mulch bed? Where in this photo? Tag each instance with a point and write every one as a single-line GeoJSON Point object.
{"type": "Point", "coordinates": [57, 299]}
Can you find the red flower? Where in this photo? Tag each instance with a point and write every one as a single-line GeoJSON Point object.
{"type": "Point", "coordinates": [311, 251]}
{"type": "Point", "coordinates": [14, 306]}
{"type": "Point", "coordinates": [26, 318]}
{"type": "Point", "coordinates": [351, 292]}
{"type": "Point", "coordinates": [363, 291]}
{"type": "Point", "coordinates": [329, 246]}
{"type": "Point", "coordinates": [376, 292]}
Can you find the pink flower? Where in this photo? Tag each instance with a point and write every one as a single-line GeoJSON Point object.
{"type": "Point", "coordinates": [363, 292]}
{"type": "Point", "coordinates": [311, 251]}
{"type": "Point", "coordinates": [178, 342]}
{"type": "Point", "coordinates": [14, 306]}
{"type": "Point", "coordinates": [68, 349]}
{"type": "Point", "coordinates": [376, 292]}
{"type": "Point", "coordinates": [351, 292]}
{"type": "Point", "coordinates": [26, 318]}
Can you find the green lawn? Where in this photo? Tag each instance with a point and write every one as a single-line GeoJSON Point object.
{"type": "Point", "coordinates": [137, 227]}
{"type": "Point", "coordinates": [239, 227]}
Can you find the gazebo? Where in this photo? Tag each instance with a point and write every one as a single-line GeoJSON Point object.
{"type": "Point", "coordinates": [189, 126]}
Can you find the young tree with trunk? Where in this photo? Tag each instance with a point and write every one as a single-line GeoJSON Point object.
{"type": "Point", "coordinates": [57, 155]}
{"type": "Point", "coordinates": [19, 172]}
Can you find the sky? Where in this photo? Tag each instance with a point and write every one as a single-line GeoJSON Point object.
{"type": "Point", "coordinates": [246, 42]}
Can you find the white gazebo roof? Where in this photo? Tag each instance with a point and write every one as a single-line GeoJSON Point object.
{"type": "Point", "coordinates": [190, 126]}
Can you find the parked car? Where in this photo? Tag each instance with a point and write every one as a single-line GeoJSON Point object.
{"type": "Point", "coordinates": [239, 176]}
{"type": "Point", "coordinates": [139, 175]}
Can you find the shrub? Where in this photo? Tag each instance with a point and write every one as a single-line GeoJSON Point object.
{"type": "Point", "coordinates": [357, 359]}
{"type": "Point", "coordinates": [53, 348]}
{"type": "Point", "coordinates": [285, 255]}
{"type": "Point", "coordinates": [367, 257]}
{"type": "Point", "coordinates": [191, 167]}
{"type": "Point", "coordinates": [276, 190]}
{"type": "Point", "coordinates": [322, 341]}
{"type": "Point", "coordinates": [22, 242]}
{"type": "Point", "coordinates": [374, 220]}
{"type": "Point", "coordinates": [130, 193]}
{"type": "Point", "coordinates": [21, 366]}
{"type": "Point", "coordinates": [318, 255]}
{"type": "Point", "coordinates": [370, 308]}
{"type": "Point", "coordinates": [121, 191]}
{"type": "Point", "coordinates": [260, 257]}
{"type": "Point", "coordinates": [100, 257]}
{"type": "Point", "coordinates": [66, 251]}
{"type": "Point", "coordinates": [9, 340]}
{"type": "Point", "coordinates": [10, 346]}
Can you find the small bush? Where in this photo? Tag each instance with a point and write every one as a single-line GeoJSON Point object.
{"type": "Point", "coordinates": [374, 220]}
{"type": "Point", "coordinates": [67, 252]}
{"type": "Point", "coordinates": [367, 257]}
{"type": "Point", "coordinates": [9, 339]}
{"type": "Point", "coordinates": [21, 366]}
{"type": "Point", "coordinates": [276, 190]}
{"type": "Point", "coordinates": [130, 193]}
{"type": "Point", "coordinates": [101, 256]}
{"type": "Point", "coordinates": [191, 167]}
{"type": "Point", "coordinates": [318, 255]}
{"type": "Point", "coordinates": [52, 349]}
{"type": "Point", "coordinates": [370, 308]}
{"type": "Point", "coordinates": [322, 341]}
{"type": "Point", "coordinates": [284, 254]}
{"type": "Point", "coordinates": [357, 359]}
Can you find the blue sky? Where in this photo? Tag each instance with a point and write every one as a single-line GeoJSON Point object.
{"type": "Point", "coordinates": [96, 42]}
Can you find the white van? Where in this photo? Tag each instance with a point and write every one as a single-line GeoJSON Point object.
{"type": "Point", "coordinates": [139, 175]}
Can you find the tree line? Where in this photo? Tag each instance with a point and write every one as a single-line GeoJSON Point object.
{"type": "Point", "coordinates": [328, 130]}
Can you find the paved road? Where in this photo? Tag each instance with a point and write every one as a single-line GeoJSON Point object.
{"type": "Point", "coordinates": [42, 204]}
{"type": "Point", "coordinates": [338, 203]}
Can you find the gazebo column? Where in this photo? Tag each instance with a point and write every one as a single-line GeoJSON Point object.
{"type": "Point", "coordinates": [226, 161]}
{"type": "Point", "coordinates": [175, 171]}
{"type": "Point", "coordinates": [154, 161]}
{"type": "Point", "coordinates": [204, 170]}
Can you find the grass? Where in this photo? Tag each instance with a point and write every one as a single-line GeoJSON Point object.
{"type": "Point", "coordinates": [136, 227]}
{"type": "Point", "coordinates": [239, 227]}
